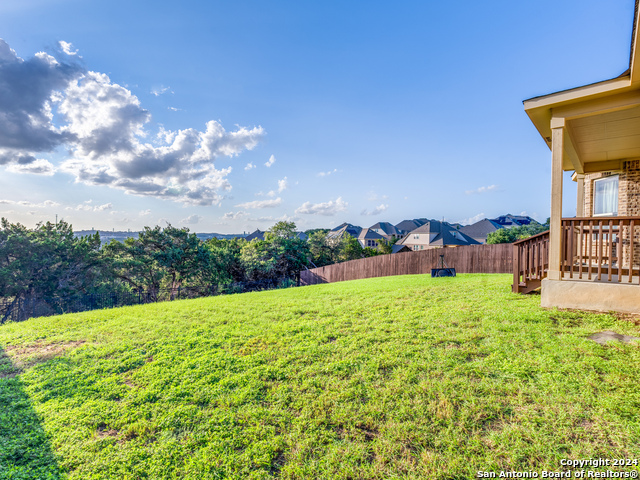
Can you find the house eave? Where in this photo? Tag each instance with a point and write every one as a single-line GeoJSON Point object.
{"type": "Point", "coordinates": [539, 109]}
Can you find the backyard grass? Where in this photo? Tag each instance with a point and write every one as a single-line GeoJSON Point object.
{"type": "Point", "coordinates": [398, 377]}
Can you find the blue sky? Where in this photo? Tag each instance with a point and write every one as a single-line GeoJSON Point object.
{"type": "Point", "coordinates": [229, 116]}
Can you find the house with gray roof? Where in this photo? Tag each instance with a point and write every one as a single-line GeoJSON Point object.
{"type": "Point", "coordinates": [344, 229]}
{"type": "Point", "coordinates": [509, 220]}
{"type": "Point", "coordinates": [387, 230]}
{"type": "Point", "coordinates": [435, 234]}
{"type": "Point", "coordinates": [406, 226]}
{"type": "Point", "coordinates": [479, 231]}
{"type": "Point", "coordinates": [257, 235]}
{"type": "Point", "coordinates": [369, 238]}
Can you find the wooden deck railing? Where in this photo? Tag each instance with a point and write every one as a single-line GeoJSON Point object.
{"type": "Point", "coordinates": [530, 262]}
{"type": "Point", "coordinates": [601, 248]}
{"type": "Point", "coordinates": [605, 249]}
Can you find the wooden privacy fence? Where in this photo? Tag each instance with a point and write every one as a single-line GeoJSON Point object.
{"type": "Point", "coordinates": [468, 259]}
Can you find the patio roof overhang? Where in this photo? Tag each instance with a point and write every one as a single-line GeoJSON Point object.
{"type": "Point", "coordinates": [600, 122]}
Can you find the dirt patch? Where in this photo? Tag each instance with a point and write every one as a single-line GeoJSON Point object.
{"type": "Point", "coordinates": [23, 357]}
{"type": "Point", "coordinates": [105, 432]}
{"type": "Point", "coordinates": [628, 317]}
{"type": "Point", "coordinates": [277, 463]}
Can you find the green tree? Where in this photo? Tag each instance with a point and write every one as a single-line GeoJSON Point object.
{"type": "Point", "coordinates": [370, 252]}
{"type": "Point", "coordinates": [349, 248]}
{"type": "Point", "coordinates": [257, 260]}
{"type": "Point", "coordinates": [503, 235]}
{"type": "Point", "coordinates": [290, 252]}
{"type": "Point", "coordinates": [386, 246]}
{"type": "Point", "coordinates": [226, 259]}
{"type": "Point", "coordinates": [510, 235]}
{"type": "Point", "coordinates": [170, 255]}
{"type": "Point", "coordinates": [47, 261]}
{"type": "Point", "coordinates": [322, 251]}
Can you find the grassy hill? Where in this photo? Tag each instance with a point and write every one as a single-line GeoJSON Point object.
{"type": "Point", "coordinates": [397, 377]}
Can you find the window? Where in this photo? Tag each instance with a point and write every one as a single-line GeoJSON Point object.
{"type": "Point", "coordinates": [605, 196]}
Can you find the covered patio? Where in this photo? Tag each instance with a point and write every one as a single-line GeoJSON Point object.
{"type": "Point", "coordinates": [591, 261]}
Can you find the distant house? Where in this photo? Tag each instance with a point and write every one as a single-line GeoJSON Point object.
{"type": "Point", "coordinates": [400, 248]}
{"type": "Point", "coordinates": [344, 229]}
{"type": "Point", "coordinates": [369, 238]}
{"type": "Point", "coordinates": [257, 235]}
{"type": "Point", "coordinates": [387, 230]}
{"type": "Point", "coordinates": [479, 231]}
{"type": "Point", "coordinates": [406, 226]}
{"type": "Point", "coordinates": [435, 234]}
{"type": "Point", "coordinates": [509, 220]}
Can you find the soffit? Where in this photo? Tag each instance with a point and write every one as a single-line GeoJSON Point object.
{"type": "Point", "coordinates": [607, 136]}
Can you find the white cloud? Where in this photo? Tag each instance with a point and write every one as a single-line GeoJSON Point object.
{"type": "Point", "coordinates": [174, 109]}
{"type": "Point", "coordinates": [108, 122]}
{"type": "Point", "coordinates": [36, 167]}
{"type": "Point", "coordinates": [191, 219]}
{"type": "Point", "coordinates": [261, 203]}
{"type": "Point", "coordinates": [30, 91]}
{"type": "Point", "coordinates": [24, 203]}
{"type": "Point", "coordinates": [165, 136]}
{"type": "Point", "coordinates": [102, 124]}
{"type": "Point", "coordinates": [86, 207]}
{"type": "Point", "coordinates": [326, 174]}
{"type": "Point", "coordinates": [271, 161]}
{"type": "Point", "coordinates": [234, 216]}
{"type": "Point", "coordinates": [481, 190]}
{"type": "Point", "coordinates": [376, 211]}
{"type": "Point", "coordinates": [249, 166]}
{"type": "Point", "coordinates": [472, 220]}
{"type": "Point", "coordinates": [283, 218]}
{"type": "Point", "coordinates": [144, 213]}
{"type": "Point", "coordinates": [374, 197]}
{"type": "Point", "coordinates": [271, 193]}
{"type": "Point", "coordinates": [328, 208]}
{"type": "Point", "coordinates": [282, 184]}
{"type": "Point", "coordinates": [66, 48]}
{"type": "Point", "coordinates": [160, 89]}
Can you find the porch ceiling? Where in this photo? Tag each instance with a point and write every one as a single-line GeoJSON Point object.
{"type": "Point", "coordinates": [606, 136]}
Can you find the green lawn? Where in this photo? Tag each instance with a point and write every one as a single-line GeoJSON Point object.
{"type": "Point", "coordinates": [397, 377]}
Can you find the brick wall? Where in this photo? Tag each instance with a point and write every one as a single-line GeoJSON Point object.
{"type": "Point", "coordinates": [628, 203]}
{"type": "Point", "coordinates": [628, 189]}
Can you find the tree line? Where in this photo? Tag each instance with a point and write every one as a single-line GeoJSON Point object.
{"type": "Point", "coordinates": [510, 235]}
{"type": "Point", "coordinates": [50, 261]}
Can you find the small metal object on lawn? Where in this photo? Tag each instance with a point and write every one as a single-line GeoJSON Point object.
{"type": "Point", "coordinates": [443, 270]}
